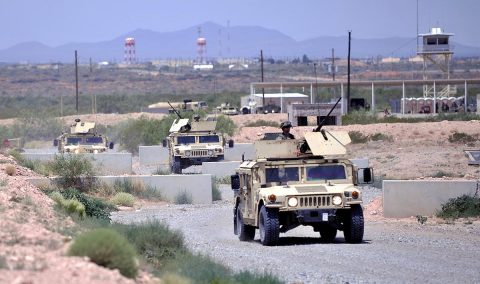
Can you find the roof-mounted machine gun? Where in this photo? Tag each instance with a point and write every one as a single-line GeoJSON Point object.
{"type": "Point", "coordinates": [181, 124]}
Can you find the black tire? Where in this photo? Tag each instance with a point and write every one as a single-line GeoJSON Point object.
{"type": "Point", "coordinates": [354, 225]}
{"type": "Point", "coordinates": [230, 143]}
{"type": "Point", "coordinates": [327, 233]}
{"type": "Point", "coordinates": [245, 233]}
{"type": "Point", "coordinates": [269, 226]}
{"type": "Point", "coordinates": [176, 168]}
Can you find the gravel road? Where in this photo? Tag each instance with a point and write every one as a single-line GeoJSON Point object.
{"type": "Point", "coordinates": [392, 252]}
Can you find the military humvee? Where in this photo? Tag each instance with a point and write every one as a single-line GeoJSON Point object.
{"type": "Point", "coordinates": [300, 182]}
{"type": "Point", "coordinates": [82, 139]}
{"type": "Point", "coordinates": [194, 143]}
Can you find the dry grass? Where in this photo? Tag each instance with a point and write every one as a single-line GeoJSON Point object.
{"type": "Point", "coordinates": [10, 170]}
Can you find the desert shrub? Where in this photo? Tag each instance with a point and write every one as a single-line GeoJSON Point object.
{"type": "Point", "coordinates": [161, 171]}
{"type": "Point", "coordinates": [137, 188]}
{"type": "Point", "coordinates": [216, 194]}
{"type": "Point", "coordinates": [70, 206]}
{"type": "Point", "coordinates": [460, 207]}
{"type": "Point", "coordinates": [183, 198]}
{"type": "Point", "coordinates": [380, 137]}
{"type": "Point", "coordinates": [154, 241]}
{"type": "Point", "coordinates": [10, 170]}
{"type": "Point", "coordinates": [94, 207]}
{"type": "Point", "coordinates": [461, 137]}
{"type": "Point", "coordinates": [37, 126]}
{"type": "Point", "coordinates": [440, 174]}
{"type": "Point", "coordinates": [248, 277]}
{"type": "Point", "coordinates": [34, 165]}
{"type": "Point", "coordinates": [107, 248]}
{"type": "Point", "coordinates": [357, 137]}
{"type": "Point", "coordinates": [143, 131]}
{"type": "Point", "coordinates": [262, 122]}
{"type": "Point", "coordinates": [73, 171]}
{"type": "Point", "coordinates": [123, 199]}
{"type": "Point", "coordinates": [225, 125]}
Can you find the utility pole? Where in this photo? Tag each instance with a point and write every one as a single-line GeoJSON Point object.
{"type": "Point", "coordinates": [333, 64]}
{"type": "Point", "coordinates": [348, 71]}
{"type": "Point", "coordinates": [76, 81]}
{"type": "Point", "coordinates": [316, 80]}
{"type": "Point", "coordinates": [91, 68]}
{"type": "Point", "coordinates": [263, 89]}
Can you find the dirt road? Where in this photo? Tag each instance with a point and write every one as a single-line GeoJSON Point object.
{"type": "Point", "coordinates": [392, 251]}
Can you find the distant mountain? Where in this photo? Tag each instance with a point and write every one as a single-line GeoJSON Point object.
{"type": "Point", "coordinates": [238, 41]}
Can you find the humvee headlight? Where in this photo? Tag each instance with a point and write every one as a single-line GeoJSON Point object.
{"type": "Point", "coordinates": [337, 200]}
{"type": "Point", "coordinates": [355, 194]}
{"type": "Point", "coordinates": [292, 202]}
{"type": "Point", "coordinates": [272, 198]}
{"type": "Point", "coordinates": [76, 151]}
{"type": "Point", "coordinates": [95, 151]}
{"type": "Point", "coordinates": [210, 152]}
{"type": "Point", "coordinates": [187, 153]}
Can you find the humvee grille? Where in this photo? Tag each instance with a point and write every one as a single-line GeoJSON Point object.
{"type": "Point", "coordinates": [315, 201]}
{"type": "Point", "coordinates": [199, 153]}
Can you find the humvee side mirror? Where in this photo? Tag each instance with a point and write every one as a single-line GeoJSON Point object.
{"type": "Point", "coordinates": [164, 143]}
{"type": "Point", "coordinates": [235, 181]}
{"type": "Point", "coordinates": [230, 143]}
{"type": "Point", "coordinates": [365, 176]}
{"type": "Point", "coordinates": [55, 143]}
{"type": "Point", "coordinates": [110, 146]}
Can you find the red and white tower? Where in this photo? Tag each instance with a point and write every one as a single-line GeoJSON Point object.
{"type": "Point", "coordinates": [130, 56]}
{"type": "Point", "coordinates": [201, 48]}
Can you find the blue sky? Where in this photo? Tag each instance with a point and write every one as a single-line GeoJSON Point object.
{"type": "Point", "coordinates": [55, 22]}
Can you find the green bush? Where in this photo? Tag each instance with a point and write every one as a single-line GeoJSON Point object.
{"type": "Point", "coordinates": [460, 207]}
{"type": "Point", "coordinates": [358, 137]}
{"type": "Point", "coordinates": [381, 137]}
{"type": "Point", "coordinates": [143, 131]}
{"type": "Point", "coordinates": [154, 241]}
{"type": "Point", "coordinates": [183, 198]}
{"type": "Point", "coordinates": [94, 207]}
{"type": "Point", "coordinates": [247, 277]}
{"type": "Point", "coordinates": [262, 122]}
{"type": "Point", "coordinates": [137, 189]}
{"type": "Point", "coordinates": [73, 171]}
{"type": "Point", "coordinates": [70, 206]}
{"type": "Point", "coordinates": [107, 248]}
{"type": "Point", "coordinates": [34, 165]}
{"type": "Point", "coordinates": [225, 125]}
{"type": "Point", "coordinates": [123, 199]}
{"type": "Point", "coordinates": [461, 137]}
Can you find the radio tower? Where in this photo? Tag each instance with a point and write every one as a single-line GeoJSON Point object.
{"type": "Point", "coordinates": [201, 47]}
{"type": "Point", "coordinates": [130, 56]}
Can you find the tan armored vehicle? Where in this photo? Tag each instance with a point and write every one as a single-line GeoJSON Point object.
{"type": "Point", "coordinates": [226, 109]}
{"type": "Point", "coordinates": [82, 139]}
{"type": "Point", "coordinates": [194, 143]}
{"type": "Point", "coordinates": [300, 182]}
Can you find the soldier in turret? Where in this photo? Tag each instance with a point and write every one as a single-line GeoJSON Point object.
{"type": "Point", "coordinates": [285, 135]}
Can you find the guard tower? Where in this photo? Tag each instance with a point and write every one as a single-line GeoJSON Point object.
{"type": "Point", "coordinates": [437, 51]}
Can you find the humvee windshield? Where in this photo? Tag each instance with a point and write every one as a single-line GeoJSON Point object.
{"type": "Point", "coordinates": [94, 140]}
{"type": "Point", "coordinates": [186, 140]}
{"type": "Point", "coordinates": [326, 172]}
{"type": "Point", "coordinates": [209, 139]}
{"type": "Point", "coordinates": [281, 174]}
{"type": "Point", "coordinates": [73, 140]}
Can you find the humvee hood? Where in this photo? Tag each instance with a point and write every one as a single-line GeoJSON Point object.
{"type": "Point", "coordinates": [307, 189]}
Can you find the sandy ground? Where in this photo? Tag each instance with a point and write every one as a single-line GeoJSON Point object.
{"type": "Point", "coordinates": [32, 246]}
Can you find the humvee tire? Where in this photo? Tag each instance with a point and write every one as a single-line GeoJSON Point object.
{"type": "Point", "coordinates": [269, 226]}
{"type": "Point", "coordinates": [327, 233]}
{"type": "Point", "coordinates": [176, 168]}
{"type": "Point", "coordinates": [245, 232]}
{"type": "Point", "coordinates": [353, 225]}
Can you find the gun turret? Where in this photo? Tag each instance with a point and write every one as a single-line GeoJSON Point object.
{"type": "Point", "coordinates": [175, 111]}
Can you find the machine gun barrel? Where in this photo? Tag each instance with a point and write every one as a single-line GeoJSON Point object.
{"type": "Point", "coordinates": [320, 125]}
{"type": "Point", "coordinates": [175, 111]}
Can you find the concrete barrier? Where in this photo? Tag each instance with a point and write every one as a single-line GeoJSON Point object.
{"type": "Point", "coordinates": [220, 169]}
{"type": "Point", "coordinates": [199, 187]}
{"type": "Point", "coordinates": [153, 155]}
{"type": "Point", "coordinates": [235, 153]}
{"type": "Point", "coordinates": [108, 163]}
{"type": "Point", "coordinates": [405, 198]}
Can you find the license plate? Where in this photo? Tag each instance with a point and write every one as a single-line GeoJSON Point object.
{"type": "Point", "coordinates": [324, 216]}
